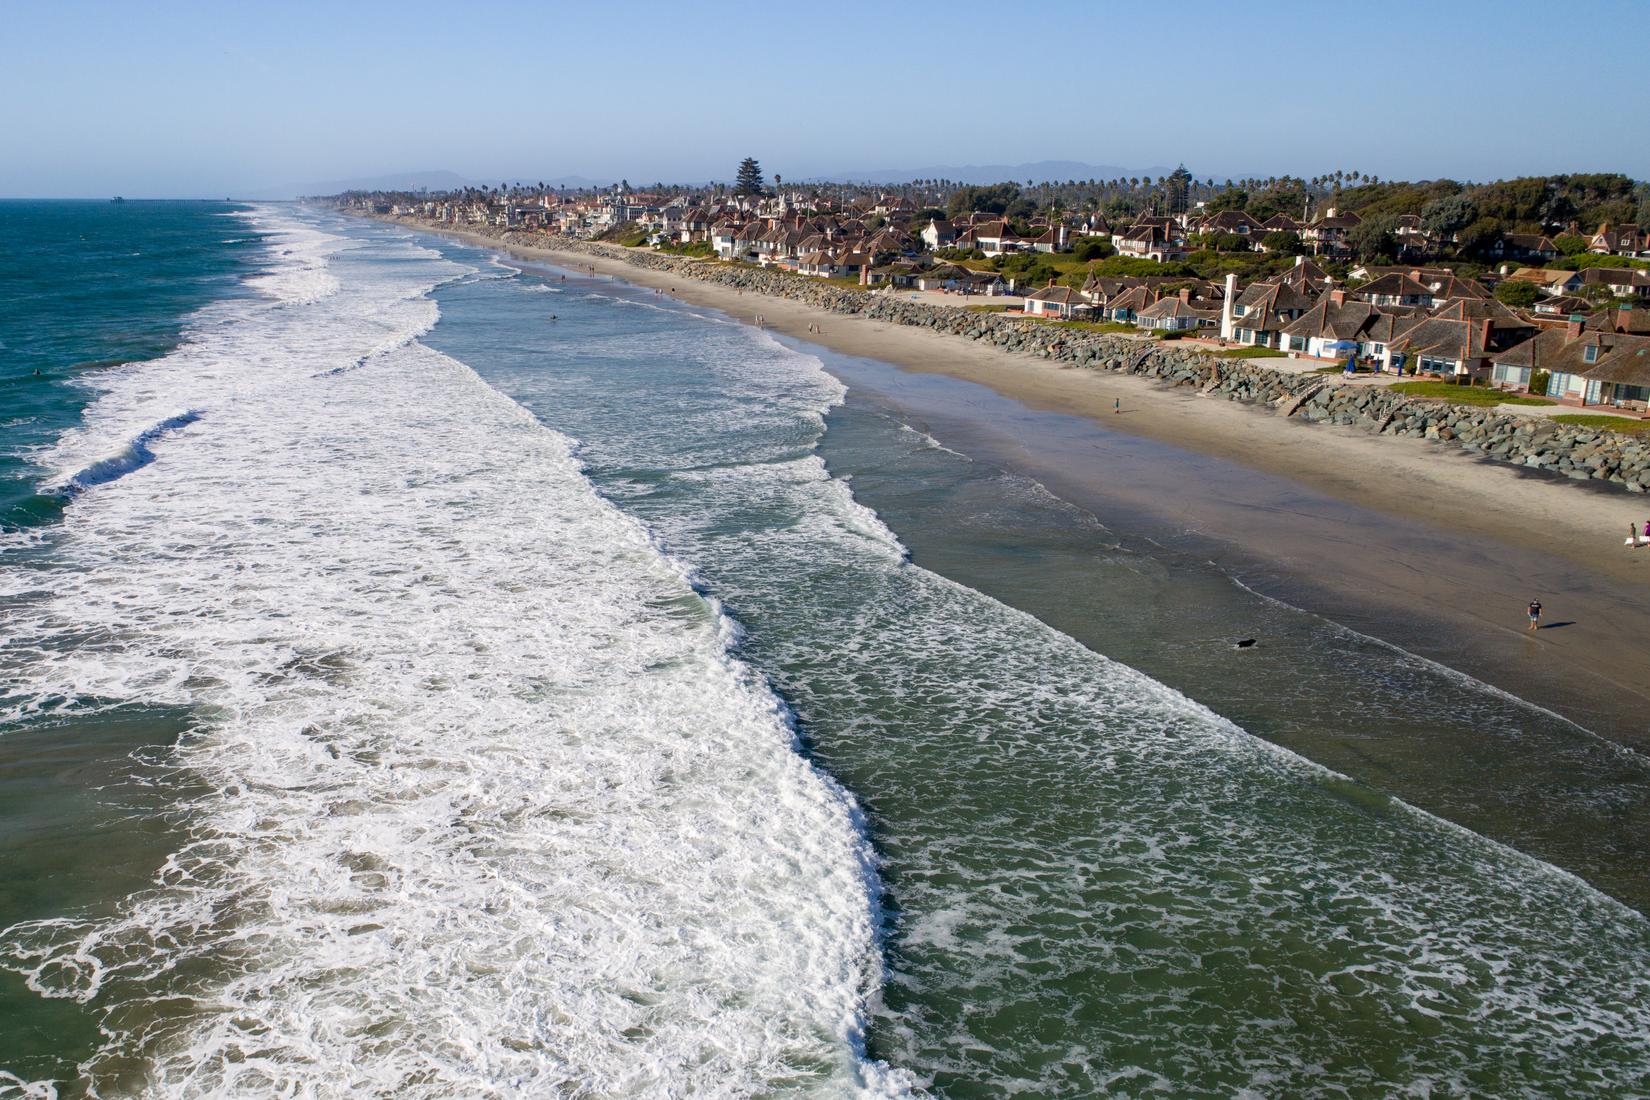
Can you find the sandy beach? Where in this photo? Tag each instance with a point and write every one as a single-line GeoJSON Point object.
{"type": "Point", "coordinates": [1432, 548]}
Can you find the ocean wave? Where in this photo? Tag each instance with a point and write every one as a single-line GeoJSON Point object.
{"type": "Point", "coordinates": [490, 808]}
{"type": "Point", "coordinates": [135, 455]}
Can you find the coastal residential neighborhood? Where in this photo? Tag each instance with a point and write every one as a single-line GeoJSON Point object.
{"type": "Point", "coordinates": [1538, 287]}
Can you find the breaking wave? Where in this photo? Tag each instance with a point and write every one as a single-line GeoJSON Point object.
{"type": "Point", "coordinates": [488, 809]}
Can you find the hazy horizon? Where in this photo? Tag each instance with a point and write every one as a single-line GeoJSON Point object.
{"type": "Point", "coordinates": [197, 101]}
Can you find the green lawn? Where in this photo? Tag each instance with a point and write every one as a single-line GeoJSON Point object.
{"type": "Point", "coordinates": [1608, 423]}
{"type": "Point", "coordinates": [1466, 395]}
{"type": "Point", "coordinates": [1253, 353]}
{"type": "Point", "coordinates": [846, 282]}
{"type": "Point", "coordinates": [1085, 326]}
{"type": "Point", "coordinates": [698, 249]}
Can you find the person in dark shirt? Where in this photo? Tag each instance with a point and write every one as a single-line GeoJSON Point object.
{"type": "Point", "coordinates": [1535, 614]}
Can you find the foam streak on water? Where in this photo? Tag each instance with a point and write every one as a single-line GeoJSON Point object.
{"type": "Point", "coordinates": [492, 811]}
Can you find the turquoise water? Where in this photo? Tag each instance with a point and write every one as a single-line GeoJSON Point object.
{"type": "Point", "coordinates": [89, 285]}
{"type": "Point", "coordinates": [498, 682]}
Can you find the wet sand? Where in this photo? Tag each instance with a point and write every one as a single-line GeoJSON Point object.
{"type": "Point", "coordinates": [1417, 543]}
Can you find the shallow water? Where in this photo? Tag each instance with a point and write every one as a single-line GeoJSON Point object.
{"type": "Point", "coordinates": [1158, 599]}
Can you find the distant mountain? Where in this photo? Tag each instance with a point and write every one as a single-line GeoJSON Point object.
{"type": "Point", "coordinates": [412, 181]}
{"type": "Point", "coordinates": [1041, 171]}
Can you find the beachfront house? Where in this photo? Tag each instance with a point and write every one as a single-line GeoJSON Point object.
{"type": "Point", "coordinates": [1124, 307]}
{"type": "Point", "coordinates": [1062, 302]}
{"type": "Point", "coordinates": [1335, 328]}
{"type": "Point", "coordinates": [1176, 314]}
{"type": "Point", "coordinates": [1584, 366]}
{"type": "Point", "coordinates": [1441, 345]}
{"type": "Point", "coordinates": [1265, 309]}
{"type": "Point", "coordinates": [960, 280]}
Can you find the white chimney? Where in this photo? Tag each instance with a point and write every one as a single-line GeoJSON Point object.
{"type": "Point", "coordinates": [1226, 306]}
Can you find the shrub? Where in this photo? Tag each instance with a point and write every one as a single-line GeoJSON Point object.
{"type": "Point", "coordinates": [1519, 293]}
{"type": "Point", "coordinates": [1092, 248]}
{"type": "Point", "coordinates": [1282, 241]}
{"type": "Point", "coordinates": [1570, 244]}
{"type": "Point", "coordinates": [1135, 265]}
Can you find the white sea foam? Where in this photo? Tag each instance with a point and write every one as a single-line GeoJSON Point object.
{"type": "Point", "coordinates": [490, 809]}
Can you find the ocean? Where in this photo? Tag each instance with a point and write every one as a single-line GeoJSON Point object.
{"type": "Point", "coordinates": [430, 675]}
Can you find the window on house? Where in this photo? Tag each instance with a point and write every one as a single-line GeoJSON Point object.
{"type": "Point", "coordinates": [1589, 354]}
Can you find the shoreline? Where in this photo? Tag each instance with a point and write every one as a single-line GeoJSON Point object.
{"type": "Point", "coordinates": [1504, 533]}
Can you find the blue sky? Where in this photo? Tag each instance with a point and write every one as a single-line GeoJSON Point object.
{"type": "Point", "coordinates": [183, 99]}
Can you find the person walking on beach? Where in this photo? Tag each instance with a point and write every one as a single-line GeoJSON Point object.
{"type": "Point", "coordinates": [1117, 404]}
{"type": "Point", "coordinates": [1535, 614]}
